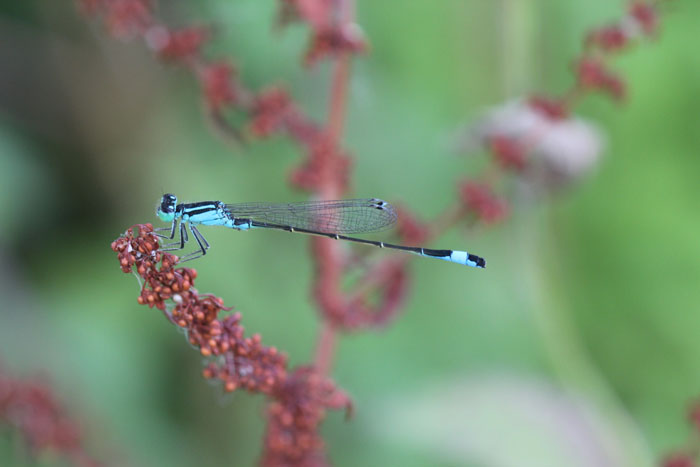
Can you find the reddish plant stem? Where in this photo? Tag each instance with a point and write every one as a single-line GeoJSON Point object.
{"type": "Point", "coordinates": [330, 186]}
{"type": "Point", "coordinates": [326, 347]}
{"type": "Point", "coordinates": [329, 261]}
{"type": "Point", "coordinates": [338, 98]}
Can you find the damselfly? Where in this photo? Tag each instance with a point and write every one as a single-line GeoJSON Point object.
{"type": "Point", "coordinates": [331, 219]}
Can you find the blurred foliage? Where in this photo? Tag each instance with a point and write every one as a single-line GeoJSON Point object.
{"type": "Point", "coordinates": [592, 294]}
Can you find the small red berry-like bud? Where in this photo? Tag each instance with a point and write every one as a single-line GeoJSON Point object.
{"type": "Point", "coordinates": [646, 15]}
{"type": "Point", "coordinates": [593, 75]}
{"type": "Point", "coordinates": [217, 81]}
{"type": "Point", "coordinates": [176, 45]}
{"type": "Point", "coordinates": [553, 108]}
{"type": "Point", "coordinates": [286, 419]}
{"type": "Point", "coordinates": [270, 110]}
{"type": "Point", "coordinates": [508, 153]}
{"type": "Point", "coordinates": [479, 199]}
{"type": "Point", "coordinates": [609, 38]}
{"type": "Point", "coordinates": [333, 41]}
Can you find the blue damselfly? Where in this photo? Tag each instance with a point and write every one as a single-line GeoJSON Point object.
{"type": "Point", "coordinates": [333, 219]}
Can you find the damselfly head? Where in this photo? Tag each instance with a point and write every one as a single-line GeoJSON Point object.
{"type": "Point", "coordinates": [166, 209]}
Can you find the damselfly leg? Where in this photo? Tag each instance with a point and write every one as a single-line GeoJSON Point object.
{"type": "Point", "coordinates": [165, 229]}
{"type": "Point", "coordinates": [178, 244]}
{"type": "Point", "coordinates": [201, 241]}
{"type": "Point", "coordinates": [184, 238]}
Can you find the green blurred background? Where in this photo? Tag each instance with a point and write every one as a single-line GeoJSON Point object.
{"type": "Point", "coordinates": [577, 347]}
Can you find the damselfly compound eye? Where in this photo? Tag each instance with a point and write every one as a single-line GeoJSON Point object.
{"type": "Point", "coordinates": [166, 208]}
{"type": "Point", "coordinates": [168, 203]}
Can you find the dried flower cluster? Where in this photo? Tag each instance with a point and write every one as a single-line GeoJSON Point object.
{"type": "Point", "coordinates": [299, 405]}
{"type": "Point", "coordinates": [331, 36]}
{"type": "Point", "coordinates": [31, 408]}
{"type": "Point", "coordinates": [642, 19]}
{"type": "Point", "coordinates": [238, 361]}
{"type": "Point", "coordinates": [538, 139]}
{"type": "Point", "coordinates": [298, 399]}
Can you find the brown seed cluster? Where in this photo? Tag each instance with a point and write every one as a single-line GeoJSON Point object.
{"type": "Point", "coordinates": [324, 159]}
{"type": "Point", "coordinates": [642, 19]}
{"type": "Point", "coordinates": [479, 199]}
{"type": "Point", "coordinates": [31, 408]}
{"type": "Point", "coordinates": [298, 400]}
{"type": "Point", "coordinates": [292, 436]}
{"type": "Point", "coordinates": [330, 38]}
{"type": "Point", "coordinates": [271, 107]}
{"type": "Point", "coordinates": [334, 41]}
{"type": "Point", "coordinates": [238, 361]}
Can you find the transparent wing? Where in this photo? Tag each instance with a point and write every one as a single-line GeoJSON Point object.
{"type": "Point", "coordinates": [350, 216]}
